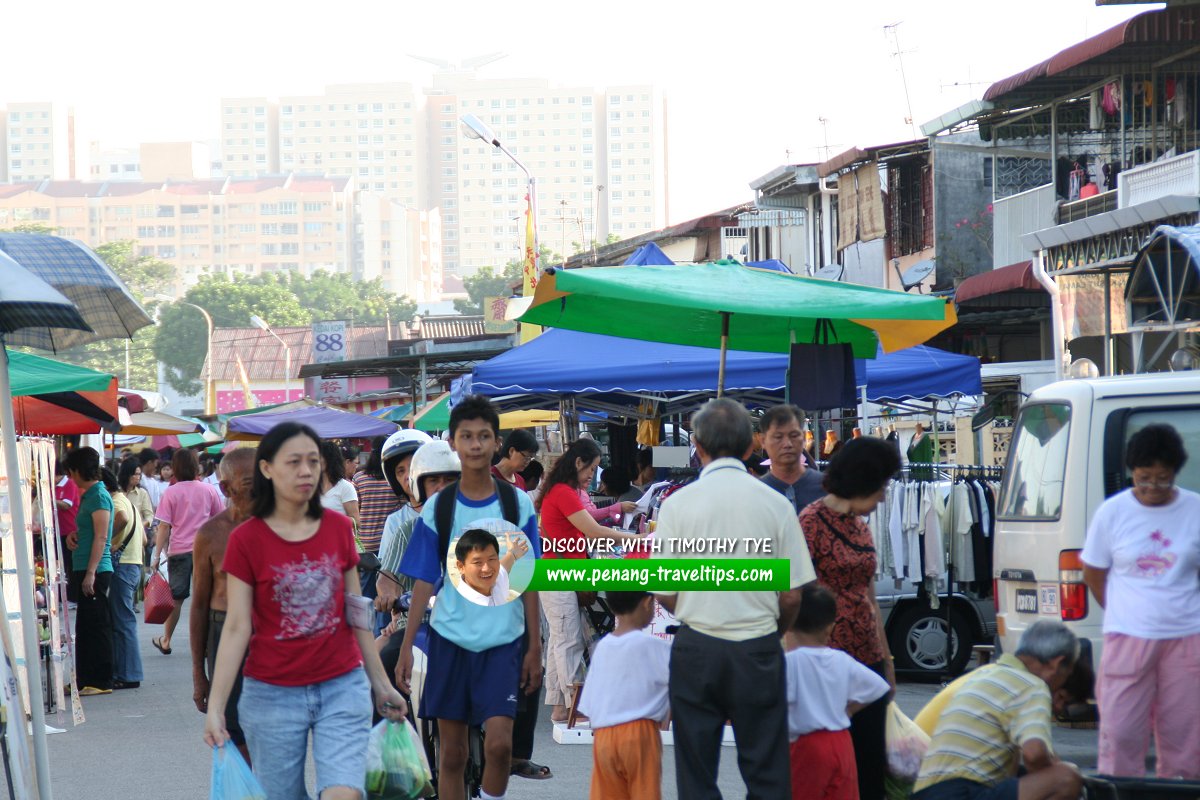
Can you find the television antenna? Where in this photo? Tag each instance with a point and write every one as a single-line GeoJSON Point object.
{"type": "Point", "coordinates": [898, 54]}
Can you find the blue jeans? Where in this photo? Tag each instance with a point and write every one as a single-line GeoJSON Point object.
{"type": "Point", "coordinates": [127, 656]}
{"type": "Point", "coordinates": [277, 721]}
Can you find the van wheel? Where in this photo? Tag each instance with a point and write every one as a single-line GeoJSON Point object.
{"type": "Point", "coordinates": [918, 640]}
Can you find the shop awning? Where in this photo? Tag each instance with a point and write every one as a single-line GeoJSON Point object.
{"type": "Point", "coordinates": [1014, 277]}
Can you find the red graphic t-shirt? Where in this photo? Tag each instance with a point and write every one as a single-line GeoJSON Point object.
{"type": "Point", "coordinates": [560, 538]}
{"type": "Point", "coordinates": [843, 555]}
{"type": "Point", "coordinates": [300, 632]}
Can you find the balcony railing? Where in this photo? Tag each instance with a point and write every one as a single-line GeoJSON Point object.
{"type": "Point", "coordinates": [1017, 215]}
{"type": "Point", "coordinates": [1087, 207]}
{"type": "Point", "coordinates": [1172, 176]}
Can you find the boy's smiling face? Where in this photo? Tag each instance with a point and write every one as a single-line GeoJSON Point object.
{"type": "Point", "coordinates": [480, 569]}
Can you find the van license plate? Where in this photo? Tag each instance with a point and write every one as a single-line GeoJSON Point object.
{"type": "Point", "coordinates": [1027, 601]}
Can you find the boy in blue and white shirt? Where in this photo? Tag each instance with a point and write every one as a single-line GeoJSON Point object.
{"type": "Point", "coordinates": [475, 664]}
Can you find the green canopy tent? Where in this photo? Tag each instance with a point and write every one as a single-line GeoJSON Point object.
{"type": "Point", "coordinates": [726, 305]}
{"type": "Point", "coordinates": [433, 416]}
{"type": "Point", "coordinates": [51, 397]}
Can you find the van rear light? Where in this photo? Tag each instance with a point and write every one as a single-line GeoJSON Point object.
{"type": "Point", "coordinates": [1073, 592]}
{"type": "Point", "coordinates": [996, 594]}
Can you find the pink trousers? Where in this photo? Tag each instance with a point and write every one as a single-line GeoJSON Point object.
{"type": "Point", "coordinates": [1145, 684]}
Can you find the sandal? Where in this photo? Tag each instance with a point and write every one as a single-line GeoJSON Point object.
{"type": "Point", "coordinates": [528, 769]}
{"type": "Point", "coordinates": [157, 642]}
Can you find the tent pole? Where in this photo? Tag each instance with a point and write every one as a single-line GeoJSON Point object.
{"type": "Point", "coordinates": [724, 348]}
{"type": "Point", "coordinates": [29, 630]}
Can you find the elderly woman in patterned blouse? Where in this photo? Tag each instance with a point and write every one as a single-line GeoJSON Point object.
{"type": "Point", "coordinates": [843, 554]}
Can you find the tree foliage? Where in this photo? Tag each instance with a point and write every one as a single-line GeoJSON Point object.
{"type": "Point", "coordinates": [282, 300]}
{"type": "Point", "coordinates": [489, 283]}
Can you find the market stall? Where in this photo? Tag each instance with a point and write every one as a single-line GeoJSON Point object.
{"type": "Point", "coordinates": [329, 423]}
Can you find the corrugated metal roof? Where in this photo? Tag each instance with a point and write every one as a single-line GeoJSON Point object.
{"type": "Point", "coordinates": [265, 359]}
{"type": "Point", "coordinates": [1123, 43]}
{"type": "Point", "coordinates": [449, 327]}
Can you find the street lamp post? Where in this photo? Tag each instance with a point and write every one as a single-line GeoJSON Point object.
{"type": "Point", "coordinates": [210, 396]}
{"type": "Point", "coordinates": [475, 128]}
{"type": "Point", "coordinates": [261, 324]}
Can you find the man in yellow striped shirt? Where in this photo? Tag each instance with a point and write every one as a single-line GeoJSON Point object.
{"type": "Point", "coordinates": [1000, 719]}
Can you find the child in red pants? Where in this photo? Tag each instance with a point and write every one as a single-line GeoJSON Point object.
{"type": "Point", "coordinates": [825, 688]}
{"type": "Point", "coordinates": [625, 697]}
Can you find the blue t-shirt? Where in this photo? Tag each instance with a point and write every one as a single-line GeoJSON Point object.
{"type": "Point", "coordinates": [96, 498]}
{"type": "Point", "coordinates": [470, 626]}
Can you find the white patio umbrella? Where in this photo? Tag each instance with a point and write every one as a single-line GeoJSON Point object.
{"type": "Point", "coordinates": [54, 294]}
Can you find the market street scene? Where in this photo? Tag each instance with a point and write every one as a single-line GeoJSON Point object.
{"type": "Point", "coordinates": [624, 404]}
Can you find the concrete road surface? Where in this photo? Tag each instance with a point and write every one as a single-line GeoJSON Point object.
{"type": "Point", "coordinates": [147, 742]}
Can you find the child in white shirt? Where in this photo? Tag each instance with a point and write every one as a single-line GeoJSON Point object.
{"type": "Point", "coordinates": [625, 697]}
{"type": "Point", "coordinates": [825, 687]}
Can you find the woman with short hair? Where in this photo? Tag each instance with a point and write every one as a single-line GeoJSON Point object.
{"type": "Point", "coordinates": [843, 554]}
{"type": "Point", "coordinates": [91, 574]}
{"type": "Point", "coordinates": [1141, 559]}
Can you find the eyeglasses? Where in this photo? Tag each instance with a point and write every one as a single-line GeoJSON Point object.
{"type": "Point", "coordinates": [528, 456]}
{"type": "Point", "coordinates": [1154, 485]}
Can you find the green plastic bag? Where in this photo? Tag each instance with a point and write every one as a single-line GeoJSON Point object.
{"type": "Point", "coordinates": [232, 778]}
{"type": "Point", "coordinates": [396, 764]}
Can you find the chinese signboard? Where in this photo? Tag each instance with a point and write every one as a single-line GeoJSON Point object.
{"type": "Point", "coordinates": [328, 341]}
{"type": "Point", "coordinates": [493, 316]}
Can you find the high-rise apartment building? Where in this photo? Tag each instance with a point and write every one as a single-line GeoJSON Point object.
{"type": "Point", "coordinates": [371, 132]}
{"type": "Point", "coordinates": [249, 136]}
{"type": "Point", "coordinates": [598, 156]}
{"type": "Point", "coordinates": [40, 143]}
{"type": "Point", "coordinates": [400, 245]}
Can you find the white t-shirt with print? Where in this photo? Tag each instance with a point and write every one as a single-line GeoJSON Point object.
{"type": "Point", "coordinates": [498, 597]}
{"type": "Point", "coordinates": [1152, 554]}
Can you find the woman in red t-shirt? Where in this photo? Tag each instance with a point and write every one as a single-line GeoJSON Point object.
{"type": "Point", "coordinates": [566, 528]}
{"type": "Point", "coordinates": [289, 569]}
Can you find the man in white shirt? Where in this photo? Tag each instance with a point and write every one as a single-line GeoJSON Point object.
{"type": "Point", "coordinates": [727, 660]}
{"type": "Point", "coordinates": [150, 480]}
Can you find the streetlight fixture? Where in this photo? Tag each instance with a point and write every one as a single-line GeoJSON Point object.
{"type": "Point", "coordinates": [210, 396]}
{"type": "Point", "coordinates": [475, 128]}
{"type": "Point", "coordinates": [261, 324]}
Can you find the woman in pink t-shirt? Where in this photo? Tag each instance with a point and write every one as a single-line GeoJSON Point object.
{"type": "Point", "coordinates": [184, 506]}
{"type": "Point", "coordinates": [290, 569]}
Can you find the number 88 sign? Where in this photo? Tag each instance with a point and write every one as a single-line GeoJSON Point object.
{"type": "Point", "coordinates": [328, 341]}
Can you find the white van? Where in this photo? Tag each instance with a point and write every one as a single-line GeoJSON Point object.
{"type": "Point", "coordinates": [1067, 456]}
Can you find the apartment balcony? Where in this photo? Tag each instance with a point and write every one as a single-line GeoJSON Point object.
{"type": "Point", "coordinates": [1017, 215]}
{"type": "Point", "coordinates": [1171, 176]}
{"type": "Point", "coordinates": [1087, 207]}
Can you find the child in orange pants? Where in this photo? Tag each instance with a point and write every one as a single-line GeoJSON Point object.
{"type": "Point", "coordinates": [625, 697]}
{"type": "Point", "coordinates": [825, 687]}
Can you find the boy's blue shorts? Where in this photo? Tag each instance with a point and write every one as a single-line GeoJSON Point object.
{"type": "Point", "coordinates": [470, 687]}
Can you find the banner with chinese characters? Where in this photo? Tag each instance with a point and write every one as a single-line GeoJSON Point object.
{"type": "Point", "coordinates": [493, 316]}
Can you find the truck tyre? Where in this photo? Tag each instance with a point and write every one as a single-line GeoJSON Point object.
{"type": "Point", "coordinates": [918, 640]}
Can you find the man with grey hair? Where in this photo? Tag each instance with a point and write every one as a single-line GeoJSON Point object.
{"type": "Point", "coordinates": [999, 720]}
{"type": "Point", "coordinates": [727, 661]}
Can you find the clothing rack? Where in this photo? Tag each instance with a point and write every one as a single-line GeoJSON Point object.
{"type": "Point", "coordinates": [964, 471]}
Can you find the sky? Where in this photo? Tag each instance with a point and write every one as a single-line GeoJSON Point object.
{"type": "Point", "coordinates": [746, 86]}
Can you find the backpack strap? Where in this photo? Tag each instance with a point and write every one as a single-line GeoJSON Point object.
{"type": "Point", "coordinates": [509, 507]}
{"type": "Point", "coordinates": [443, 516]}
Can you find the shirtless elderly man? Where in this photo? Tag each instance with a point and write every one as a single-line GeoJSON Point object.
{"type": "Point", "coordinates": [208, 590]}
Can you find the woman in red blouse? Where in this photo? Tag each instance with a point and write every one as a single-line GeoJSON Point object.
{"type": "Point", "coordinates": [567, 528]}
{"type": "Point", "coordinates": [843, 554]}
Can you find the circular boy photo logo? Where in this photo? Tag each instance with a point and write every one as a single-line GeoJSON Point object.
{"type": "Point", "coordinates": [490, 563]}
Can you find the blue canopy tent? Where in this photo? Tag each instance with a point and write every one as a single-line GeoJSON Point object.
{"type": "Point", "coordinates": [649, 253]}
{"type": "Point", "coordinates": [771, 264]}
{"type": "Point", "coordinates": [615, 374]}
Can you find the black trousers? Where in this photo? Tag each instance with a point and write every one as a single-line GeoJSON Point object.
{"type": "Point", "coordinates": [714, 680]}
{"type": "Point", "coordinates": [868, 731]}
{"type": "Point", "coordinates": [93, 632]}
{"type": "Point", "coordinates": [525, 723]}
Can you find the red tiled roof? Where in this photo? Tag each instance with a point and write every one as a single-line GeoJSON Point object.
{"type": "Point", "coordinates": [14, 189]}
{"type": "Point", "coordinates": [252, 185]}
{"type": "Point", "coordinates": [214, 186]}
{"type": "Point", "coordinates": [450, 326]}
{"type": "Point", "coordinates": [265, 359]}
{"type": "Point", "coordinates": [127, 188]}
{"type": "Point", "coordinates": [1012, 278]}
{"type": "Point", "coordinates": [71, 189]}
{"type": "Point", "coordinates": [318, 183]}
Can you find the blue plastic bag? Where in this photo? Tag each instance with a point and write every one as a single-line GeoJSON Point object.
{"type": "Point", "coordinates": [232, 778]}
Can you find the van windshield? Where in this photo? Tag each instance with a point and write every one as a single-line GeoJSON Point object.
{"type": "Point", "coordinates": [1037, 467]}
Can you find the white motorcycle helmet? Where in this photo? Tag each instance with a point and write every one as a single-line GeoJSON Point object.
{"type": "Point", "coordinates": [398, 445]}
{"type": "Point", "coordinates": [435, 458]}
